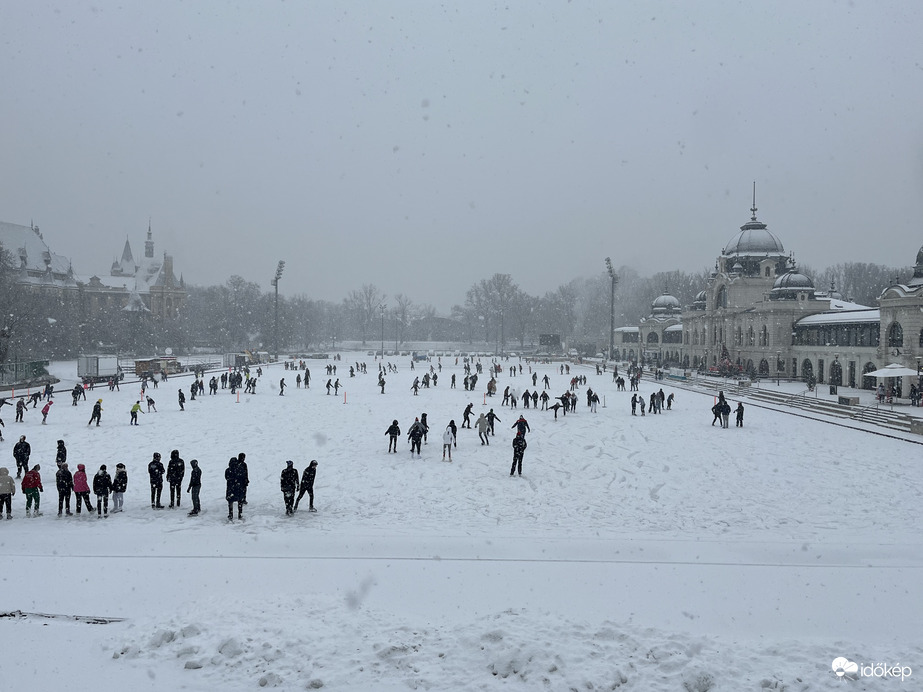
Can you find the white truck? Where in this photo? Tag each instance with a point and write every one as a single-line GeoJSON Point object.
{"type": "Point", "coordinates": [98, 368]}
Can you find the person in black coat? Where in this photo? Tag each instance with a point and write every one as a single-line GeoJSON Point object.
{"type": "Point", "coordinates": [97, 414]}
{"type": "Point", "coordinates": [244, 472]}
{"type": "Point", "coordinates": [60, 454]}
{"type": "Point", "coordinates": [415, 435]}
{"type": "Point", "coordinates": [522, 426]}
{"type": "Point", "coordinates": [393, 433]}
{"type": "Point", "coordinates": [519, 449]}
{"type": "Point", "coordinates": [102, 486]}
{"type": "Point", "coordinates": [236, 477]}
{"type": "Point", "coordinates": [119, 486]}
{"type": "Point", "coordinates": [22, 450]}
{"type": "Point", "coordinates": [156, 470]}
{"type": "Point", "coordinates": [288, 483]}
{"type": "Point", "coordinates": [176, 470]}
{"type": "Point", "coordinates": [307, 485]}
{"type": "Point", "coordinates": [195, 485]}
{"type": "Point", "coordinates": [64, 481]}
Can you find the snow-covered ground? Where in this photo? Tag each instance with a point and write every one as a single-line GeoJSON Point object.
{"type": "Point", "coordinates": [635, 553]}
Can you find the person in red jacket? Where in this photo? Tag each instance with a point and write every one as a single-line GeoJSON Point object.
{"type": "Point", "coordinates": [32, 486]}
{"type": "Point", "coordinates": [82, 488]}
{"type": "Point", "coordinates": [45, 409]}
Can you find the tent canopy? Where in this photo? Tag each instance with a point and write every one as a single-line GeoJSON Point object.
{"type": "Point", "coordinates": [891, 370]}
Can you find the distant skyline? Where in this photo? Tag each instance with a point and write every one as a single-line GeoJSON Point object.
{"type": "Point", "coordinates": [423, 147]}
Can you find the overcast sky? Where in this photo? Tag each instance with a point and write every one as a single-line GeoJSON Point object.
{"type": "Point", "coordinates": [423, 146]}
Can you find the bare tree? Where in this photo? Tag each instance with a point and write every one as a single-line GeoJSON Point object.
{"type": "Point", "coordinates": [402, 312]}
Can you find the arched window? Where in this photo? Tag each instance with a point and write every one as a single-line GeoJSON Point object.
{"type": "Point", "coordinates": [767, 273]}
{"type": "Point", "coordinates": [652, 338]}
{"type": "Point", "coordinates": [738, 336]}
{"type": "Point", "coordinates": [807, 370]}
{"type": "Point", "coordinates": [749, 336]}
{"type": "Point", "coordinates": [868, 382]}
{"type": "Point", "coordinates": [895, 335]}
{"type": "Point", "coordinates": [921, 338]}
{"type": "Point", "coordinates": [764, 368]}
{"type": "Point", "coordinates": [721, 300]}
{"type": "Point", "coordinates": [836, 372]}
{"type": "Point", "coordinates": [764, 336]}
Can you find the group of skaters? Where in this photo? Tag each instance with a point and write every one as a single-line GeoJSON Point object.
{"type": "Point", "coordinates": [76, 484]}
{"type": "Point", "coordinates": [722, 412]}
{"type": "Point", "coordinates": [103, 485]}
{"type": "Point", "coordinates": [418, 432]}
{"type": "Point", "coordinates": [657, 403]}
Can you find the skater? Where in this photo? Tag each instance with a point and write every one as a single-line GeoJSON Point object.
{"type": "Point", "coordinates": [182, 399]}
{"type": "Point", "coordinates": [119, 486]}
{"type": "Point", "coordinates": [195, 487]}
{"type": "Point", "coordinates": [97, 414]}
{"type": "Point", "coordinates": [176, 470]}
{"type": "Point", "coordinates": [150, 405]}
{"type": "Point", "coordinates": [156, 470]}
{"type": "Point", "coordinates": [739, 411]}
{"type": "Point", "coordinates": [288, 482]}
{"type": "Point", "coordinates": [282, 387]}
{"type": "Point", "coordinates": [82, 488]}
{"type": "Point", "coordinates": [522, 426]}
{"type": "Point", "coordinates": [381, 382]}
{"type": "Point", "coordinates": [45, 409]}
{"type": "Point", "coordinates": [20, 410]}
{"type": "Point", "coordinates": [454, 429]}
{"type": "Point", "coordinates": [22, 450]}
{"type": "Point", "coordinates": [244, 472]}
{"type": "Point", "coordinates": [716, 409]}
{"type": "Point", "coordinates": [60, 454]}
{"type": "Point", "coordinates": [102, 486]}
{"type": "Point", "coordinates": [466, 423]}
{"type": "Point", "coordinates": [491, 419]}
{"type": "Point", "coordinates": [7, 490]}
{"type": "Point", "coordinates": [134, 413]}
{"type": "Point", "coordinates": [425, 424]}
{"type": "Point", "coordinates": [519, 449]}
{"type": "Point", "coordinates": [447, 440]}
{"type": "Point", "coordinates": [32, 486]}
{"type": "Point", "coordinates": [670, 401]}
{"type": "Point", "coordinates": [483, 427]}
{"type": "Point", "coordinates": [415, 435]}
{"type": "Point", "coordinates": [236, 477]}
{"type": "Point", "coordinates": [307, 485]}
{"type": "Point", "coordinates": [393, 432]}
{"type": "Point", "coordinates": [64, 482]}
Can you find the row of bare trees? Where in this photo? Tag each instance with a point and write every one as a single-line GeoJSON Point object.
{"type": "Point", "coordinates": [239, 314]}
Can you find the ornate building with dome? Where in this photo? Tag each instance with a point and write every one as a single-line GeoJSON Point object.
{"type": "Point", "coordinates": [759, 315]}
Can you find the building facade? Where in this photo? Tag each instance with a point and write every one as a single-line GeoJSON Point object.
{"type": "Point", "coordinates": [147, 285]}
{"type": "Point", "coordinates": [757, 314]}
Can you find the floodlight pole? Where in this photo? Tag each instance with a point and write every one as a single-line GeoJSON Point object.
{"type": "Point", "coordinates": [614, 280]}
{"type": "Point", "coordinates": [275, 283]}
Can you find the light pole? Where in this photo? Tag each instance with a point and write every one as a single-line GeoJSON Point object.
{"type": "Point", "coordinates": [275, 282]}
{"type": "Point", "coordinates": [615, 279]}
{"type": "Point", "coordinates": [381, 307]}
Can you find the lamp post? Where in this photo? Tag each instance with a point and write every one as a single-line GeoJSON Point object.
{"type": "Point", "coordinates": [614, 280]}
{"type": "Point", "coordinates": [275, 282]}
{"type": "Point", "coordinates": [381, 307]}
